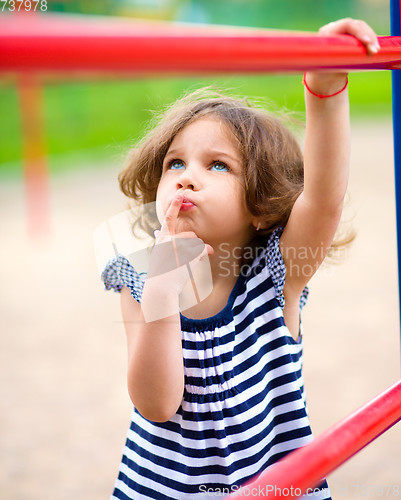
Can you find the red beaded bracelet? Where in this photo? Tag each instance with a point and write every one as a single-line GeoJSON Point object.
{"type": "Point", "coordinates": [320, 95]}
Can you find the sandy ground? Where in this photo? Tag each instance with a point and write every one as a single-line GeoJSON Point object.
{"type": "Point", "coordinates": [64, 404]}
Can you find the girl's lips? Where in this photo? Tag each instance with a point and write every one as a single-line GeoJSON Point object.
{"type": "Point", "coordinates": [186, 205]}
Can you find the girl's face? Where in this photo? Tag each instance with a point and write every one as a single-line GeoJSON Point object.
{"type": "Point", "coordinates": [204, 163]}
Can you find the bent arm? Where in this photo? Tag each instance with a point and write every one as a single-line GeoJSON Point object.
{"type": "Point", "coordinates": [155, 360]}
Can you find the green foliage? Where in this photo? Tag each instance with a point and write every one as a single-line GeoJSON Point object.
{"type": "Point", "coordinates": [283, 14]}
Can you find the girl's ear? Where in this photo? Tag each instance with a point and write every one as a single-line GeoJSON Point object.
{"type": "Point", "coordinates": [257, 224]}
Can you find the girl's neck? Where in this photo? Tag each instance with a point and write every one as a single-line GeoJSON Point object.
{"type": "Point", "coordinates": [226, 262]}
{"type": "Point", "coordinates": [225, 265]}
{"type": "Point", "coordinates": [228, 259]}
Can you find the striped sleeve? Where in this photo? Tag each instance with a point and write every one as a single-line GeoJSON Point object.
{"type": "Point", "coordinates": [119, 272]}
{"type": "Point", "coordinates": [276, 266]}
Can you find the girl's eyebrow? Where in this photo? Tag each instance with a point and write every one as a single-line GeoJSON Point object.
{"type": "Point", "coordinates": [172, 152]}
{"type": "Point", "coordinates": [218, 154]}
{"type": "Point", "coordinates": [212, 152]}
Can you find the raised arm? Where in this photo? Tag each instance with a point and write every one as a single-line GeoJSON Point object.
{"type": "Point", "coordinates": [316, 213]}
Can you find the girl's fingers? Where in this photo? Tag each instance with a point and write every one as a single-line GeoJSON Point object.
{"type": "Point", "coordinates": [170, 217]}
{"type": "Point", "coordinates": [359, 29]}
{"type": "Point", "coordinates": [364, 33]}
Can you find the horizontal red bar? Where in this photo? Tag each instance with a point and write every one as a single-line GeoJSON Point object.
{"type": "Point", "coordinates": [305, 468]}
{"type": "Point", "coordinates": [52, 43]}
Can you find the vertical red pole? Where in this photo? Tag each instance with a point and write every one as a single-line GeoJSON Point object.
{"type": "Point", "coordinates": [34, 156]}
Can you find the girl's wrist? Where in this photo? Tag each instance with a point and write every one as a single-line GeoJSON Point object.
{"type": "Point", "coordinates": [325, 84]}
{"type": "Point", "coordinates": [160, 289]}
{"type": "Point", "coordinates": [159, 301]}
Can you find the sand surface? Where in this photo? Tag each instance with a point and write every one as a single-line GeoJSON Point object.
{"type": "Point", "coordinates": [64, 403]}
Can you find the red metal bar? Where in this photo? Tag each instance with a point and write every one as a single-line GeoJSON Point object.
{"type": "Point", "coordinates": [305, 467]}
{"type": "Point", "coordinates": [48, 42]}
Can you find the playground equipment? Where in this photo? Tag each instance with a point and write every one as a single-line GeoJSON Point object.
{"type": "Point", "coordinates": [50, 44]}
{"type": "Point", "coordinates": [303, 469]}
{"type": "Point", "coordinates": [71, 44]}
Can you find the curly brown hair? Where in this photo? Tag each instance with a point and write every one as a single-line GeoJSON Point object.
{"type": "Point", "coordinates": [271, 156]}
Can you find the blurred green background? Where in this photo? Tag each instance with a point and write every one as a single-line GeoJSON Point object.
{"type": "Point", "coordinates": [95, 121]}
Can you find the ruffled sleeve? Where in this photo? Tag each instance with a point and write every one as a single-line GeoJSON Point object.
{"type": "Point", "coordinates": [275, 264]}
{"type": "Point", "coordinates": [118, 273]}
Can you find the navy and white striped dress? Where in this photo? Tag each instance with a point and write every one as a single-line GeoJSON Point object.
{"type": "Point", "coordinates": [243, 406]}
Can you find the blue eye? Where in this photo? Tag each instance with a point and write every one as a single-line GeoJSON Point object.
{"type": "Point", "coordinates": [219, 166]}
{"type": "Point", "coordinates": [176, 165]}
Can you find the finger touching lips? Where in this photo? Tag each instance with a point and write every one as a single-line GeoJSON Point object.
{"type": "Point", "coordinates": [170, 217]}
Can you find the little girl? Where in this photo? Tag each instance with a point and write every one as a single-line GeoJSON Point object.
{"type": "Point", "coordinates": [217, 388]}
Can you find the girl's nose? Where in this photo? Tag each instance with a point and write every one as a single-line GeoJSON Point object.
{"type": "Point", "coordinates": [187, 180]}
